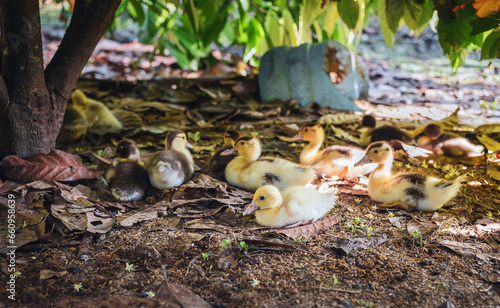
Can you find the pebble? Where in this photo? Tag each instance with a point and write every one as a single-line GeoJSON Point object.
{"type": "Point", "coordinates": [427, 261]}
{"type": "Point", "coordinates": [346, 303]}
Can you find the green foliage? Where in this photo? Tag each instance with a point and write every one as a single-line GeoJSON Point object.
{"type": "Point", "coordinates": [190, 29]}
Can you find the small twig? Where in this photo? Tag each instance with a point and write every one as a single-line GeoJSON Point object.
{"type": "Point", "coordinates": [122, 245]}
{"type": "Point", "coordinates": [339, 290]}
{"type": "Point", "coordinates": [163, 268]}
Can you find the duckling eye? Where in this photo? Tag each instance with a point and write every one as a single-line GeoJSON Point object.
{"type": "Point", "coordinates": [306, 130]}
{"type": "Point", "coordinates": [375, 151]}
{"type": "Point", "coordinates": [261, 198]}
{"type": "Point", "coordinates": [242, 143]}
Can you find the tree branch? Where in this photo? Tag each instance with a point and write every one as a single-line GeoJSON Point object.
{"type": "Point", "coordinates": [82, 35]}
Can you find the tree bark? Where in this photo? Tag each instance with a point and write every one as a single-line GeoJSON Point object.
{"type": "Point", "coordinates": [32, 102]}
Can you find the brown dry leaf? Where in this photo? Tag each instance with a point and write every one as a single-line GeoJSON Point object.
{"type": "Point", "coordinates": [112, 301]}
{"type": "Point", "coordinates": [23, 237]}
{"type": "Point", "coordinates": [341, 134]}
{"type": "Point", "coordinates": [418, 224]}
{"type": "Point", "coordinates": [310, 230]}
{"type": "Point", "coordinates": [446, 160]}
{"type": "Point", "coordinates": [486, 7]}
{"type": "Point", "coordinates": [129, 119]}
{"type": "Point", "coordinates": [178, 296]}
{"type": "Point", "coordinates": [338, 118]}
{"type": "Point", "coordinates": [470, 250]}
{"type": "Point", "coordinates": [490, 277]}
{"type": "Point", "coordinates": [99, 224]}
{"type": "Point", "coordinates": [493, 170]}
{"type": "Point", "coordinates": [352, 247]}
{"type": "Point", "coordinates": [490, 143]}
{"type": "Point", "coordinates": [396, 221]}
{"type": "Point", "coordinates": [70, 215]}
{"type": "Point", "coordinates": [204, 224]}
{"type": "Point", "coordinates": [193, 213]}
{"type": "Point", "coordinates": [131, 218]}
{"type": "Point", "coordinates": [282, 243]}
{"type": "Point", "coordinates": [55, 166]}
{"type": "Point", "coordinates": [228, 258]}
{"type": "Point", "coordinates": [46, 274]}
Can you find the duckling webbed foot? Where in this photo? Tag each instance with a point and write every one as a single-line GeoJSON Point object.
{"type": "Point", "coordinates": [398, 205]}
{"type": "Point", "coordinates": [301, 223]}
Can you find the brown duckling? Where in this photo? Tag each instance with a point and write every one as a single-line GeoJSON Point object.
{"type": "Point", "coordinates": [217, 164]}
{"type": "Point", "coordinates": [173, 166]}
{"type": "Point", "coordinates": [371, 134]}
{"type": "Point", "coordinates": [448, 144]}
{"type": "Point", "coordinates": [406, 190]}
{"type": "Point", "coordinates": [128, 180]}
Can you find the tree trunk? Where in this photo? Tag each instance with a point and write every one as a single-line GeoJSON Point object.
{"type": "Point", "coordinates": [32, 102]}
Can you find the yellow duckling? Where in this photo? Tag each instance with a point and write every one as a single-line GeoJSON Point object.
{"type": "Point", "coordinates": [250, 172]}
{"type": "Point", "coordinates": [294, 205]}
{"type": "Point", "coordinates": [217, 164]}
{"type": "Point", "coordinates": [128, 180]}
{"type": "Point", "coordinates": [448, 144]}
{"type": "Point", "coordinates": [408, 191]}
{"type": "Point", "coordinates": [371, 134]}
{"type": "Point", "coordinates": [100, 119]}
{"type": "Point", "coordinates": [336, 160]}
{"type": "Point", "coordinates": [73, 127]}
{"type": "Point", "coordinates": [173, 166]}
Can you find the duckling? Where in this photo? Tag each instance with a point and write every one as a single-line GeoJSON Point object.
{"type": "Point", "coordinates": [371, 134]}
{"type": "Point", "coordinates": [217, 164]}
{"type": "Point", "coordinates": [335, 160]}
{"type": "Point", "coordinates": [294, 205]}
{"type": "Point", "coordinates": [74, 126]}
{"type": "Point", "coordinates": [250, 172]}
{"type": "Point", "coordinates": [100, 119]}
{"type": "Point", "coordinates": [173, 166]}
{"type": "Point", "coordinates": [448, 144]}
{"type": "Point", "coordinates": [128, 180]}
{"type": "Point", "coordinates": [408, 191]}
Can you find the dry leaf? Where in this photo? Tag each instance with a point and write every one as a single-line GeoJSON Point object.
{"type": "Point", "coordinates": [470, 250]}
{"type": "Point", "coordinates": [55, 166]}
{"type": "Point", "coordinates": [228, 258]}
{"type": "Point", "coordinates": [178, 296]}
{"type": "Point", "coordinates": [418, 224]}
{"type": "Point", "coordinates": [310, 230]}
{"type": "Point", "coordinates": [490, 143]}
{"type": "Point", "coordinates": [351, 247]}
{"type": "Point", "coordinates": [486, 7]}
{"type": "Point", "coordinates": [131, 218]}
{"type": "Point", "coordinates": [46, 274]}
{"type": "Point", "coordinates": [98, 224]}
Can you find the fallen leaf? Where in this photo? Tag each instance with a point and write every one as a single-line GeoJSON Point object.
{"type": "Point", "coordinates": [282, 243]}
{"type": "Point", "coordinates": [493, 170]}
{"type": "Point", "coordinates": [131, 218]}
{"type": "Point", "coordinates": [352, 247]}
{"type": "Point", "coordinates": [99, 224]}
{"type": "Point", "coordinates": [228, 258]}
{"type": "Point", "coordinates": [338, 118]}
{"type": "Point", "coordinates": [470, 250]}
{"type": "Point", "coordinates": [46, 274]}
{"type": "Point", "coordinates": [490, 277]}
{"type": "Point", "coordinates": [310, 230]}
{"type": "Point", "coordinates": [23, 237]}
{"type": "Point", "coordinates": [490, 143]}
{"type": "Point", "coordinates": [418, 224]}
{"type": "Point", "coordinates": [55, 166]}
{"type": "Point", "coordinates": [178, 296]}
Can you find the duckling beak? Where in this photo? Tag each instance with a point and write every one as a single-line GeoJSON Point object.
{"type": "Point", "coordinates": [188, 145]}
{"type": "Point", "coordinates": [364, 160]}
{"type": "Point", "coordinates": [231, 151]}
{"type": "Point", "coordinates": [297, 137]}
{"type": "Point", "coordinates": [252, 207]}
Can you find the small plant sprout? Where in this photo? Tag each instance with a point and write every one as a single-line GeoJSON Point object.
{"type": "Point", "coordinates": [300, 239]}
{"type": "Point", "coordinates": [335, 280]}
{"type": "Point", "coordinates": [254, 282]}
{"type": "Point", "coordinates": [369, 232]}
{"type": "Point", "coordinates": [243, 245]}
{"type": "Point", "coordinates": [17, 274]}
{"type": "Point", "coordinates": [365, 304]}
{"type": "Point", "coordinates": [150, 294]}
{"type": "Point", "coordinates": [78, 287]}
{"type": "Point", "coordinates": [120, 212]}
{"type": "Point", "coordinates": [205, 255]}
{"type": "Point", "coordinates": [424, 164]}
{"type": "Point", "coordinates": [129, 267]}
{"type": "Point", "coordinates": [358, 200]}
{"type": "Point", "coordinates": [100, 152]}
{"type": "Point", "coordinates": [254, 134]}
{"type": "Point", "coordinates": [195, 137]}
{"type": "Point", "coordinates": [452, 173]}
{"type": "Point", "coordinates": [408, 166]}
{"type": "Point", "coordinates": [390, 213]}
{"type": "Point", "coordinates": [417, 238]}
{"type": "Point", "coordinates": [225, 243]}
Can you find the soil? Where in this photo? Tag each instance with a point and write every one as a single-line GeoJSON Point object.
{"type": "Point", "coordinates": [396, 268]}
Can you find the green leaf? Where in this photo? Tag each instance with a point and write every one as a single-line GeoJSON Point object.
{"type": "Point", "coordinates": [290, 28]}
{"type": "Point", "coordinates": [349, 12]}
{"type": "Point", "coordinates": [417, 15]}
{"type": "Point", "coordinates": [331, 18]}
{"type": "Point", "coordinates": [389, 18]}
{"type": "Point", "coordinates": [491, 46]}
{"type": "Point", "coordinates": [484, 24]}
{"type": "Point", "coordinates": [273, 29]}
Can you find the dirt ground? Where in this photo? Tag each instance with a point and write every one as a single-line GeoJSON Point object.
{"type": "Point", "coordinates": [370, 257]}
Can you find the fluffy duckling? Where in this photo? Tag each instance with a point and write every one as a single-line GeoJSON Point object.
{"type": "Point", "coordinates": [250, 172]}
{"type": "Point", "coordinates": [336, 160]}
{"type": "Point", "coordinates": [408, 191]}
{"type": "Point", "coordinates": [448, 144]}
{"type": "Point", "coordinates": [371, 134]}
{"type": "Point", "coordinates": [217, 164]}
{"type": "Point", "coordinates": [74, 126]}
{"type": "Point", "coordinates": [128, 180]}
{"type": "Point", "coordinates": [100, 119]}
{"type": "Point", "coordinates": [173, 166]}
{"type": "Point", "coordinates": [294, 205]}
